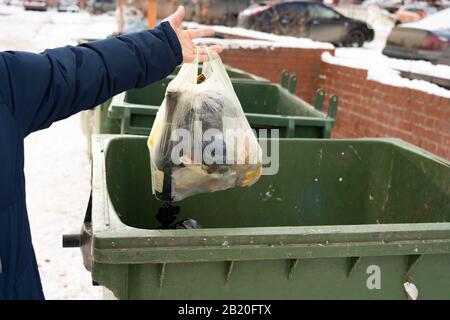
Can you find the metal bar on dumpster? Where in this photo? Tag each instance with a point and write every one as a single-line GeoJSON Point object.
{"type": "Point", "coordinates": [292, 266]}
{"type": "Point", "coordinates": [318, 101]}
{"type": "Point", "coordinates": [412, 261]}
{"type": "Point", "coordinates": [332, 106]}
{"type": "Point", "coordinates": [229, 272]}
{"type": "Point", "coordinates": [352, 263]}
{"type": "Point", "coordinates": [285, 79]}
{"type": "Point", "coordinates": [293, 84]}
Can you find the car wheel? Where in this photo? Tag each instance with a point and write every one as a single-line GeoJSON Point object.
{"type": "Point", "coordinates": [355, 39]}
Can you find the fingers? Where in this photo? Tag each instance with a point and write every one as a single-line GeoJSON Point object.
{"type": "Point", "coordinates": [201, 50]}
{"type": "Point", "coordinates": [177, 17]}
{"type": "Point", "coordinates": [203, 55]}
{"type": "Point", "coordinates": [203, 58]}
{"type": "Point", "coordinates": [189, 53]}
{"type": "Point", "coordinates": [202, 32]}
{"type": "Point", "coordinates": [216, 48]}
{"type": "Point", "coordinates": [213, 48]}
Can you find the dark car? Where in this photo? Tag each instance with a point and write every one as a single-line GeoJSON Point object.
{"type": "Point", "coordinates": [428, 39]}
{"type": "Point", "coordinates": [101, 6]}
{"type": "Point", "coordinates": [306, 19]}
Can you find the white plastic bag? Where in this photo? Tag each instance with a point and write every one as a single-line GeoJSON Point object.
{"type": "Point", "coordinates": [200, 140]}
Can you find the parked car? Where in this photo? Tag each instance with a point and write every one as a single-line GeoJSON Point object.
{"type": "Point", "coordinates": [427, 39]}
{"type": "Point", "coordinates": [219, 11]}
{"type": "Point", "coordinates": [68, 6]}
{"type": "Point", "coordinates": [39, 5]}
{"type": "Point", "coordinates": [101, 6]}
{"type": "Point", "coordinates": [306, 19]}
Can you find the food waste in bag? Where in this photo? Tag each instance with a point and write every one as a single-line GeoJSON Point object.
{"type": "Point", "coordinates": [201, 140]}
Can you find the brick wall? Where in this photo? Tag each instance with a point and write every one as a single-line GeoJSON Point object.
{"type": "Point", "coordinates": [270, 62]}
{"type": "Point", "coordinates": [372, 109]}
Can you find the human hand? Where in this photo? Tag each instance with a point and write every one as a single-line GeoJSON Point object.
{"type": "Point", "coordinates": [186, 36]}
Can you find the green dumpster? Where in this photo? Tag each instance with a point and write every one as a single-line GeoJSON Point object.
{"type": "Point", "coordinates": [357, 219]}
{"type": "Point", "coordinates": [266, 106]}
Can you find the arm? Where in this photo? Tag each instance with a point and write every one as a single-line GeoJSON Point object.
{"type": "Point", "coordinates": [42, 88]}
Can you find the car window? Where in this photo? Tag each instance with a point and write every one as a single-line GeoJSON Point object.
{"type": "Point", "coordinates": [290, 8]}
{"type": "Point", "coordinates": [322, 12]}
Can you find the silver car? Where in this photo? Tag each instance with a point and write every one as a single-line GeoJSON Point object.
{"type": "Point", "coordinates": [427, 39]}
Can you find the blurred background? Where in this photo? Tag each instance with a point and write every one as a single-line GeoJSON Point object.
{"type": "Point", "coordinates": [388, 61]}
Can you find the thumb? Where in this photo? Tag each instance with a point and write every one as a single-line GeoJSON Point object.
{"type": "Point", "coordinates": [177, 17]}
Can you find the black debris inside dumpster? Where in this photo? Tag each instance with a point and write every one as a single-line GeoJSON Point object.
{"type": "Point", "coordinates": [167, 216]}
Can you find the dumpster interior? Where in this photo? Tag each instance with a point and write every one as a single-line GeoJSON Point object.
{"type": "Point", "coordinates": [319, 182]}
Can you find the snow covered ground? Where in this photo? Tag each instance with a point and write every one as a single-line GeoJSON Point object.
{"type": "Point", "coordinates": [56, 162]}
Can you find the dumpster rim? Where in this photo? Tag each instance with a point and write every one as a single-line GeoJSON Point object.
{"type": "Point", "coordinates": [183, 254]}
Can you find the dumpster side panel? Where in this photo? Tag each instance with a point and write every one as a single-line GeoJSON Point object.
{"type": "Point", "coordinates": [332, 278]}
{"type": "Point", "coordinates": [103, 122]}
{"type": "Point", "coordinates": [419, 190]}
{"type": "Point", "coordinates": [132, 196]}
{"type": "Point", "coordinates": [152, 95]}
{"type": "Point", "coordinates": [257, 98]}
{"type": "Point", "coordinates": [292, 105]}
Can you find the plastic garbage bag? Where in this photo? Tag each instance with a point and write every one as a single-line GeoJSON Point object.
{"type": "Point", "coordinates": [200, 140]}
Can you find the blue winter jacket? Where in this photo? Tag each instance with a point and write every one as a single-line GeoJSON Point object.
{"type": "Point", "coordinates": [39, 89]}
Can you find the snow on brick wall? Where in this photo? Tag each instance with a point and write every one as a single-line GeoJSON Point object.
{"type": "Point", "coordinates": [372, 109]}
{"type": "Point", "coordinates": [270, 62]}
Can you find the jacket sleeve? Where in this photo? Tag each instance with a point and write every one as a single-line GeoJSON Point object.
{"type": "Point", "coordinates": [43, 88]}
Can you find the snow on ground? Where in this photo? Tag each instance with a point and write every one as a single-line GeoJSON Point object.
{"type": "Point", "coordinates": [37, 31]}
{"type": "Point", "coordinates": [56, 163]}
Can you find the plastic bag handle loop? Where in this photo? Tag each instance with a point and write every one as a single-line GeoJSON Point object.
{"type": "Point", "coordinates": [210, 56]}
{"type": "Point", "coordinates": [197, 50]}
{"type": "Point", "coordinates": [218, 68]}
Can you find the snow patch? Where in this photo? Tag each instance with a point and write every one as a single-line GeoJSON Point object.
{"type": "Point", "coordinates": [393, 78]}
{"type": "Point", "coordinates": [387, 70]}
{"type": "Point", "coordinates": [252, 44]}
{"type": "Point", "coordinates": [437, 21]}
